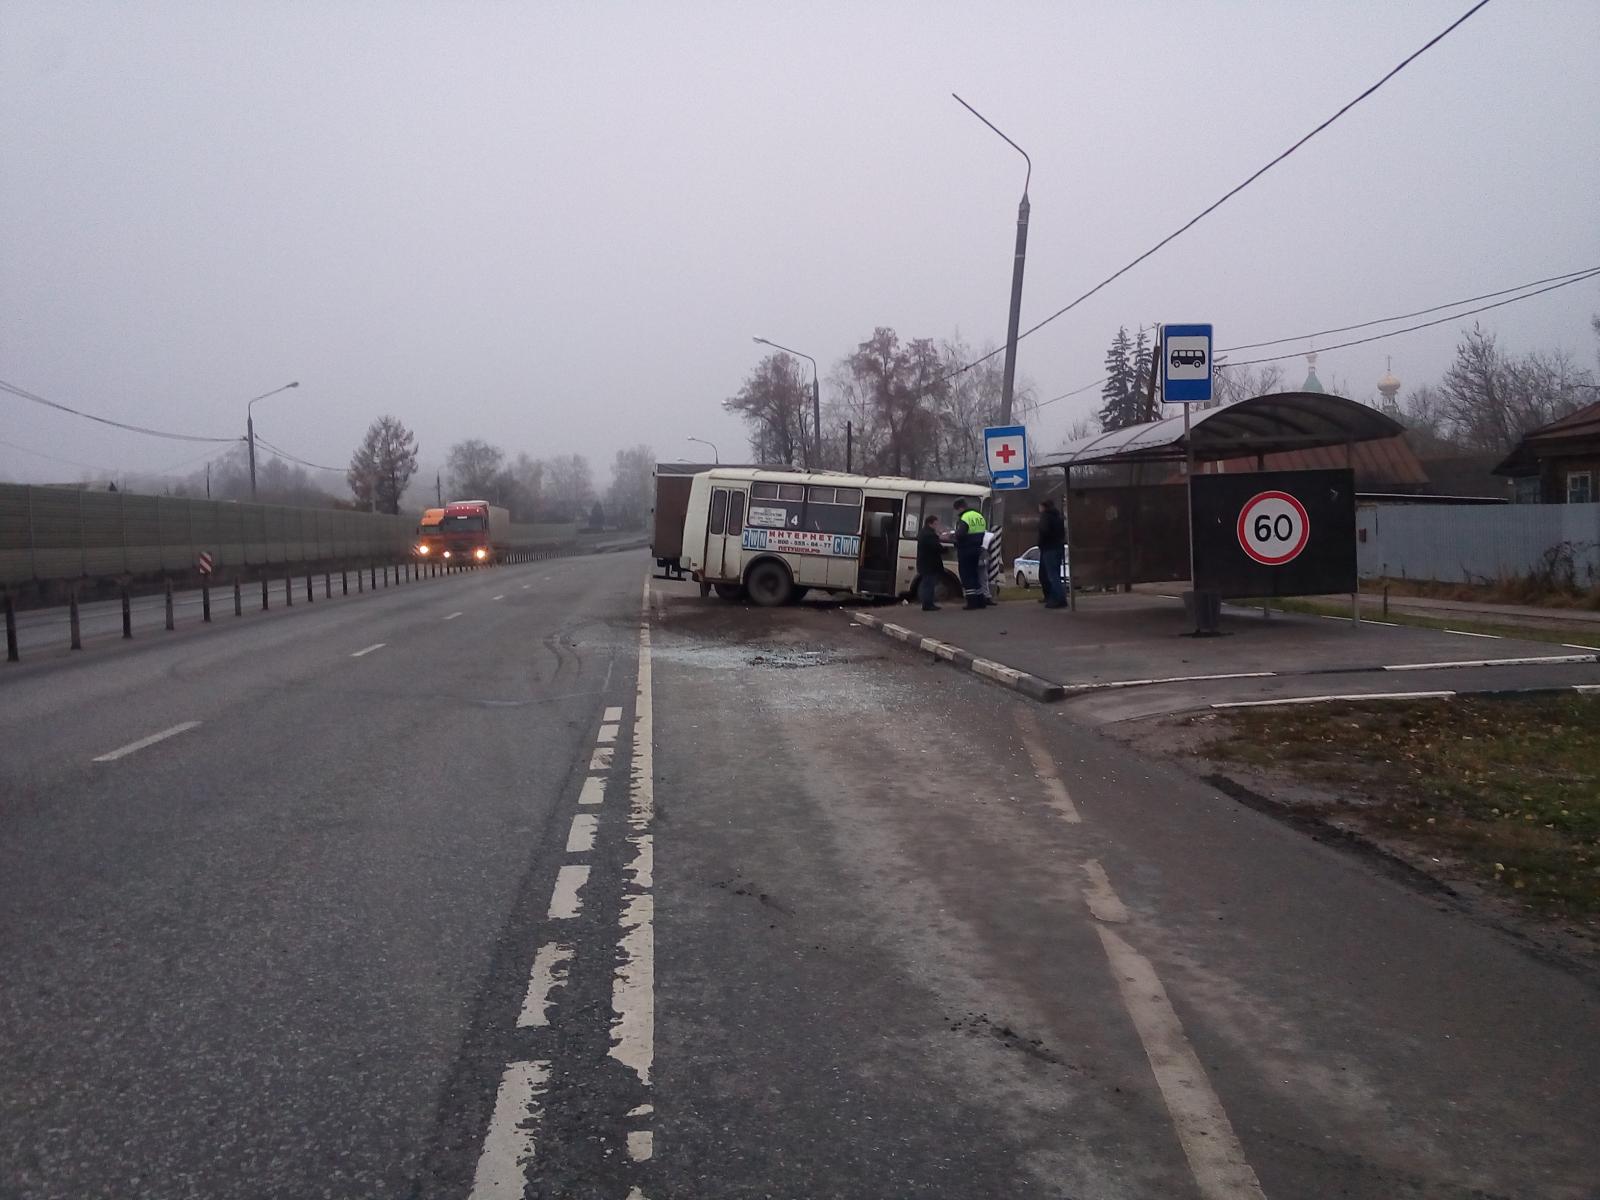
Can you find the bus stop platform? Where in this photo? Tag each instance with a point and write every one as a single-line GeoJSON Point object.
{"type": "Point", "coordinates": [1121, 656]}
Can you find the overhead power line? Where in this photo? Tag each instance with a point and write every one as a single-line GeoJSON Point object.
{"type": "Point", "coordinates": [160, 433]}
{"type": "Point", "coordinates": [1560, 281]}
{"type": "Point", "coordinates": [1234, 191]}
{"type": "Point", "coordinates": [284, 454]}
{"type": "Point", "coordinates": [70, 462]}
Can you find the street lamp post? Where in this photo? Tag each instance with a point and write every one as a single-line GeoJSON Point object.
{"type": "Point", "coordinates": [715, 457]}
{"type": "Point", "coordinates": [250, 429]}
{"type": "Point", "coordinates": [816, 401]}
{"type": "Point", "coordinates": [1016, 269]}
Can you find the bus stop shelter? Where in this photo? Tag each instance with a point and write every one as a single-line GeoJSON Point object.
{"type": "Point", "coordinates": [1128, 518]}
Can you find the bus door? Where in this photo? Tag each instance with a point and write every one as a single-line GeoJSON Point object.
{"type": "Point", "coordinates": [880, 545]}
{"type": "Point", "coordinates": [725, 535]}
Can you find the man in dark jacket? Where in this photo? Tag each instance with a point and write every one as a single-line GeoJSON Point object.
{"type": "Point", "coordinates": [1052, 553]}
{"type": "Point", "coordinates": [930, 563]}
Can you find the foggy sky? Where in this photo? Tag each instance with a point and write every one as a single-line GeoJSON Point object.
{"type": "Point", "coordinates": [558, 226]}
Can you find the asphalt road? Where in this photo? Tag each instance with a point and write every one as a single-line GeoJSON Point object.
{"type": "Point", "coordinates": [588, 891]}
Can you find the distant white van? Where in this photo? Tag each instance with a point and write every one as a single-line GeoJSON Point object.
{"type": "Point", "coordinates": [775, 535]}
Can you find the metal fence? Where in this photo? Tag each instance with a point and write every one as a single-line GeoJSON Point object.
{"type": "Point", "coordinates": [1474, 543]}
{"type": "Point", "coordinates": [52, 534]}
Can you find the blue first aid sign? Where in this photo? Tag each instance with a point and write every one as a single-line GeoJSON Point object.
{"type": "Point", "coordinates": [1006, 448]}
{"type": "Point", "coordinates": [1186, 364]}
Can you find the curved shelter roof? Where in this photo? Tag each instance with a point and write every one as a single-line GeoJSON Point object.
{"type": "Point", "coordinates": [1261, 425]}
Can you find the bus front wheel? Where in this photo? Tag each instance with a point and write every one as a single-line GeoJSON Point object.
{"type": "Point", "coordinates": [729, 591]}
{"type": "Point", "coordinates": [768, 584]}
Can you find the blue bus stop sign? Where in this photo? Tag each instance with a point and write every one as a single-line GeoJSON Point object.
{"type": "Point", "coordinates": [1186, 364]}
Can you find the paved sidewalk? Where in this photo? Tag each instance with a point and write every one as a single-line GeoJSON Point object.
{"type": "Point", "coordinates": [1132, 655]}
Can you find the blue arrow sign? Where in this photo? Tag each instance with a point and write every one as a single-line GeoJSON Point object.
{"type": "Point", "coordinates": [1006, 449]}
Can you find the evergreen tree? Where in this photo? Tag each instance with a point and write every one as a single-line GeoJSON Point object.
{"type": "Point", "coordinates": [1121, 407]}
{"type": "Point", "coordinates": [382, 466]}
{"type": "Point", "coordinates": [1143, 364]}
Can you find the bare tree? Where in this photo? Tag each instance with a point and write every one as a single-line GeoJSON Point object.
{"type": "Point", "coordinates": [628, 496]}
{"type": "Point", "coordinates": [1491, 400]}
{"type": "Point", "coordinates": [382, 466]}
{"type": "Point", "coordinates": [1229, 385]}
{"type": "Point", "coordinates": [473, 465]}
{"type": "Point", "coordinates": [568, 488]}
{"type": "Point", "coordinates": [774, 403]}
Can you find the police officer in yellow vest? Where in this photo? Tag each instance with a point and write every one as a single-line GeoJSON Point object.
{"type": "Point", "coordinates": [970, 528]}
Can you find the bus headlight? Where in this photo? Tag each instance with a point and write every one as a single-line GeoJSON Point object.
{"type": "Point", "coordinates": [480, 553]}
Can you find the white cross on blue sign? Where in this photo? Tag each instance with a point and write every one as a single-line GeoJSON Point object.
{"type": "Point", "coordinates": [1006, 448]}
{"type": "Point", "coordinates": [1186, 364]}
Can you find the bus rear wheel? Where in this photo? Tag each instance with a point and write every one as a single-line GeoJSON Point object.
{"type": "Point", "coordinates": [768, 584]}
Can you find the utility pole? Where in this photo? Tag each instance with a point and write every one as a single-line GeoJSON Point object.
{"type": "Point", "coordinates": [208, 481]}
{"type": "Point", "coordinates": [250, 429]}
{"type": "Point", "coordinates": [438, 488]}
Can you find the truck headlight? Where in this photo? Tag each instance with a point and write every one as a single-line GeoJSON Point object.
{"type": "Point", "coordinates": [447, 554]}
{"type": "Point", "coordinates": [423, 549]}
{"type": "Point", "coordinates": [480, 552]}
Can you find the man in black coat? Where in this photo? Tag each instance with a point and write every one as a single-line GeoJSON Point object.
{"type": "Point", "coordinates": [1052, 553]}
{"type": "Point", "coordinates": [930, 563]}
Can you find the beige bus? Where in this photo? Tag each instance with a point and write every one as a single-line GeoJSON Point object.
{"type": "Point", "coordinates": [775, 535]}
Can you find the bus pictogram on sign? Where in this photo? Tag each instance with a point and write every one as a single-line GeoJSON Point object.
{"type": "Point", "coordinates": [1273, 528]}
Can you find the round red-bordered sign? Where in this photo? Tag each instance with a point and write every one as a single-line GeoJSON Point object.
{"type": "Point", "coordinates": [1273, 528]}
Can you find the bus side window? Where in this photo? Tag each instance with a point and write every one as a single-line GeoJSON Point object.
{"type": "Point", "coordinates": [735, 513]}
{"type": "Point", "coordinates": [913, 521]}
{"type": "Point", "coordinates": [719, 510]}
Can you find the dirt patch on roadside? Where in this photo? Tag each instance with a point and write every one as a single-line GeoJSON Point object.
{"type": "Point", "coordinates": [1494, 800]}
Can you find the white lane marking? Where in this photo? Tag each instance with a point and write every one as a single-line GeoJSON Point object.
{"type": "Point", "coordinates": [1128, 683]}
{"type": "Point", "coordinates": [600, 760]}
{"type": "Point", "coordinates": [1341, 696]}
{"type": "Point", "coordinates": [508, 1146]}
{"type": "Point", "coordinates": [1469, 633]}
{"type": "Point", "coordinates": [369, 649]}
{"type": "Point", "coordinates": [564, 900]}
{"type": "Point", "coordinates": [608, 733]}
{"type": "Point", "coordinates": [452, 616]}
{"type": "Point", "coordinates": [580, 838]}
{"type": "Point", "coordinates": [1055, 791]}
{"type": "Point", "coordinates": [641, 1144]}
{"type": "Point", "coordinates": [633, 989]}
{"type": "Point", "coordinates": [1385, 624]}
{"type": "Point", "coordinates": [1586, 687]}
{"type": "Point", "coordinates": [1216, 1159]}
{"type": "Point", "coordinates": [613, 714]}
{"type": "Point", "coordinates": [1104, 903]}
{"type": "Point", "coordinates": [1569, 646]}
{"type": "Point", "coordinates": [643, 1110]}
{"type": "Point", "coordinates": [549, 971]}
{"type": "Point", "coordinates": [131, 747]}
{"type": "Point", "coordinates": [634, 1194]}
{"type": "Point", "coordinates": [501, 596]}
{"type": "Point", "coordinates": [1535, 661]}
{"type": "Point", "coordinates": [593, 792]}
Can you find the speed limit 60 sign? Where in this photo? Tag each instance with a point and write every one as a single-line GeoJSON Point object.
{"type": "Point", "coordinates": [1274, 533]}
{"type": "Point", "coordinates": [1273, 528]}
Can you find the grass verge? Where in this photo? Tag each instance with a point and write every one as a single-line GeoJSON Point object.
{"type": "Point", "coordinates": [1507, 786]}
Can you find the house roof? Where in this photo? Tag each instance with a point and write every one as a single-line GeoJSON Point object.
{"type": "Point", "coordinates": [1582, 426]}
{"type": "Point", "coordinates": [1286, 421]}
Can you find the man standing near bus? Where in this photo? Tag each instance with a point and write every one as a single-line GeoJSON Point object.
{"type": "Point", "coordinates": [930, 563]}
{"type": "Point", "coordinates": [1052, 554]}
{"type": "Point", "coordinates": [970, 528]}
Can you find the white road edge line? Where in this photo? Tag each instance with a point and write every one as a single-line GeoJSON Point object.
{"type": "Point", "coordinates": [1570, 646]}
{"type": "Point", "coordinates": [1468, 633]}
{"type": "Point", "coordinates": [549, 971]}
{"type": "Point", "coordinates": [501, 596]}
{"type": "Point", "coordinates": [1536, 661]}
{"type": "Point", "coordinates": [132, 747]}
{"type": "Point", "coordinates": [369, 649]}
{"type": "Point", "coordinates": [452, 616]}
{"type": "Point", "coordinates": [565, 903]}
{"type": "Point", "coordinates": [1340, 696]}
{"type": "Point", "coordinates": [1216, 1158]}
{"type": "Point", "coordinates": [509, 1145]}
{"type": "Point", "coordinates": [1055, 791]}
{"type": "Point", "coordinates": [633, 998]}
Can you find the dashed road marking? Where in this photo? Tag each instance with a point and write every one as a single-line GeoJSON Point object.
{"type": "Point", "coordinates": [133, 747]}
{"type": "Point", "coordinates": [549, 972]}
{"type": "Point", "coordinates": [565, 903]}
{"type": "Point", "coordinates": [1216, 1158]}
{"type": "Point", "coordinates": [369, 649]}
{"type": "Point", "coordinates": [641, 1144]}
{"type": "Point", "coordinates": [613, 714]}
{"type": "Point", "coordinates": [509, 1145]}
{"type": "Point", "coordinates": [608, 733]}
{"type": "Point", "coordinates": [580, 838]}
{"type": "Point", "coordinates": [600, 760]}
{"type": "Point", "coordinates": [1469, 633]}
{"type": "Point", "coordinates": [593, 790]}
{"type": "Point", "coordinates": [1054, 790]}
{"type": "Point", "coordinates": [1329, 699]}
{"type": "Point", "coordinates": [1534, 661]}
{"type": "Point", "coordinates": [501, 596]}
{"type": "Point", "coordinates": [452, 616]}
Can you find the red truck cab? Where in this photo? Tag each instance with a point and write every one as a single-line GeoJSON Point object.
{"type": "Point", "coordinates": [473, 531]}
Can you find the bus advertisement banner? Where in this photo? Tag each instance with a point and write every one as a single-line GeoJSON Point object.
{"type": "Point", "coordinates": [800, 541]}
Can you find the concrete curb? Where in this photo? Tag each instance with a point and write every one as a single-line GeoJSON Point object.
{"type": "Point", "coordinates": [1031, 686]}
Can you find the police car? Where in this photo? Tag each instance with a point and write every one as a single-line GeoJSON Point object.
{"type": "Point", "coordinates": [1025, 570]}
